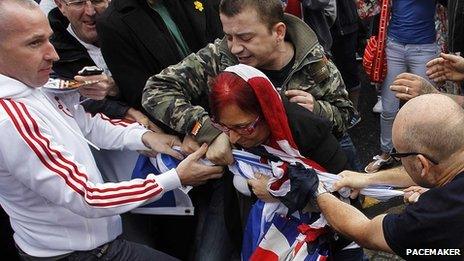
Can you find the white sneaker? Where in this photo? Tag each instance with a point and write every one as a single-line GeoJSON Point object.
{"type": "Point", "coordinates": [378, 106]}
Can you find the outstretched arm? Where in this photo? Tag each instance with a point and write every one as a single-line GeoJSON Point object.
{"type": "Point", "coordinates": [349, 221]}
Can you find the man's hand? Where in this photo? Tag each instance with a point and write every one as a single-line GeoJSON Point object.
{"type": "Point", "coordinates": [220, 151]}
{"type": "Point", "coordinates": [162, 143]}
{"type": "Point", "coordinates": [446, 67]}
{"type": "Point", "coordinates": [407, 86]}
{"type": "Point", "coordinates": [259, 187]}
{"type": "Point", "coordinates": [97, 91]}
{"type": "Point", "coordinates": [412, 194]}
{"type": "Point", "coordinates": [189, 144]}
{"type": "Point", "coordinates": [192, 173]}
{"type": "Point", "coordinates": [353, 180]}
{"type": "Point", "coordinates": [304, 99]}
{"type": "Point", "coordinates": [139, 117]}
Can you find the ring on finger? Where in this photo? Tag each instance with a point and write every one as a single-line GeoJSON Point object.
{"type": "Point", "coordinates": [407, 90]}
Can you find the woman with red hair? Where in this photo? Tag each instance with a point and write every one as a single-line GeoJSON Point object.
{"type": "Point", "coordinates": [245, 105]}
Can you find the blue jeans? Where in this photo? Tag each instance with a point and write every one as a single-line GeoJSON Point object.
{"type": "Point", "coordinates": [400, 58]}
{"type": "Point", "coordinates": [212, 239]}
{"type": "Point", "coordinates": [350, 151]}
{"type": "Point", "coordinates": [118, 249]}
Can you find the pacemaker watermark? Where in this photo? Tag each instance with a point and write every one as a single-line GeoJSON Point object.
{"type": "Point", "coordinates": [433, 252]}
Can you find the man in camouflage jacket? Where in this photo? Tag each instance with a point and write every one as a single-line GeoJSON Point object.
{"type": "Point", "coordinates": [257, 33]}
{"type": "Point", "coordinates": [178, 95]}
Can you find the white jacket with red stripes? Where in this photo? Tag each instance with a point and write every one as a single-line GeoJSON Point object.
{"type": "Point", "coordinates": [50, 185]}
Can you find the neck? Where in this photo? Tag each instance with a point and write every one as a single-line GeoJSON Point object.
{"type": "Point", "coordinates": [452, 167]}
{"type": "Point", "coordinates": [285, 54]}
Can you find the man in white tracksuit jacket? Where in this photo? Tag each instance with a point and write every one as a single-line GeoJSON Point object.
{"type": "Point", "coordinates": [50, 185]}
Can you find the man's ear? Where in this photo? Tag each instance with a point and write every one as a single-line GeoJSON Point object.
{"type": "Point", "coordinates": [280, 29]}
{"type": "Point", "coordinates": [60, 4]}
{"type": "Point", "coordinates": [425, 169]}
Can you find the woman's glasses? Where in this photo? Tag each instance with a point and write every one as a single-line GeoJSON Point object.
{"type": "Point", "coordinates": [246, 129]}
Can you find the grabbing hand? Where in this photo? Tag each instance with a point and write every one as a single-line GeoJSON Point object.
{"type": "Point", "coordinates": [162, 143]}
{"type": "Point", "coordinates": [192, 173]}
{"type": "Point", "coordinates": [189, 144]}
{"type": "Point", "coordinates": [407, 86]}
{"type": "Point", "coordinates": [104, 85]}
{"type": "Point", "coordinates": [412, 194]}
{"type": "Point", "coordinates": [446, 67]}
{"type": "Point", "coordinates": [220, 151]}
{"type": "Point", "coordinates": [304, 99]}
{"type": "Point", "coordinates": [353, 180]}
{"type": "Point", "coordinates": [259, 187]}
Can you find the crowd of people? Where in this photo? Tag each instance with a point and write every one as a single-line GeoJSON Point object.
{"type": "Point", "coordinates": [203, 83]}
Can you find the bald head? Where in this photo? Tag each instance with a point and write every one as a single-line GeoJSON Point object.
{"type": "Point", "coordinates": [9, 10]}
{"type": "Point", "coordinates": [432, 124]}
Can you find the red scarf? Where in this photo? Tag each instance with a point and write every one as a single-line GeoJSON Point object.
{"type": "Point", "coordinates": [274, 112]}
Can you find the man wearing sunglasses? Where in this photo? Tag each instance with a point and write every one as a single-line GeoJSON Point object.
{"type": "Point", "coordinates": [431, 149]}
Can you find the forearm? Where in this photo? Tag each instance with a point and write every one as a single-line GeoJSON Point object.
{"type": "Point", "coordinates": [397, 177]}
{"type": "Point", "coordinates": [342, 217]}
{"type": "Point", "coordinates": [350, 222]}
{"type": "Point", "coordinates": [176, 95]}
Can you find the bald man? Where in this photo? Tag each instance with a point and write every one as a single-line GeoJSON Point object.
{"type": "Point", "coordinates": [431, 148]}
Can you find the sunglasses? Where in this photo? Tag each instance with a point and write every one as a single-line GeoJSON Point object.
{"type": "Point", "coordinates": [246, 129]}
{"type": "Point", "coordinates": [397, 156]}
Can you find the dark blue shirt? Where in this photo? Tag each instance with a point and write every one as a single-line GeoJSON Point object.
{"type": "Point", "coordinates": [412, 21]}
{"type": "Point", "coordinates": [435, 222]}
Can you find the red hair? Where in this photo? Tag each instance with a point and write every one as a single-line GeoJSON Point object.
{"type": "Point", "coordinates": [230, 89]}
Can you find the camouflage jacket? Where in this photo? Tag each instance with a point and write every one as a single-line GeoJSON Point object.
{"type": "Point", "coordinates": [178, 95]}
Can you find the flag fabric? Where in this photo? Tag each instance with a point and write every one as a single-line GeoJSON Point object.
{"type": "Point", "coordinates": [291, 174]}
{"type": "Point", "coordinates": [288, 238]}
{"type": "Point", "coordinates": [174, 202]}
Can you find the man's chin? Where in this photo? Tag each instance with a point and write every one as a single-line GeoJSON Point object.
{"type": "Point", "coordinates": [88, 36]}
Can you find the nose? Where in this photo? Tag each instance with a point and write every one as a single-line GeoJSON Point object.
{"type": "Point", "coordinates": [50, 53]}
{"type": "Point", "coordinates": [89, 9]}
{"type": "Point", "coordinates": [233, 136]}
{"type": "Point", "coordinates": [235, 47]}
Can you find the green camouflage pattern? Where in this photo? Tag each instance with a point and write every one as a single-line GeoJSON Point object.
{"type": "Point", "coordinates": [178, 95]}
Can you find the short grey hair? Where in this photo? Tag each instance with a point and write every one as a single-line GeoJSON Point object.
{"type": "Point", "coordinates": [28, 4]}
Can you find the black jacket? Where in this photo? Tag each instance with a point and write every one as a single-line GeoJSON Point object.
{"type": "Point", "coordinates": [315, 17]}
{"type": "Point", "coordinates": [456, 26]}
{"type": "Point", "coordinates": [73, 57]}
{"type": "Point", "coordinates": [313, 136]}
{"type": "Point", "coordinates": [347, 18]}
{"type": "Point", "coordinates": [136, 44]}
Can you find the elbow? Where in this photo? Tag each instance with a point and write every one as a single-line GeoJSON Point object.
{"type": "Point", "coordinates": [364, 242]}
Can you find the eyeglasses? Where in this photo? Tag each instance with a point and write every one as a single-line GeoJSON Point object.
{"type": "Point", "coordinates": [397, 156]}
{"type": "Point", "coordinates": [79, 4]}
{"type": "Point", "coordinates": [242, 130]}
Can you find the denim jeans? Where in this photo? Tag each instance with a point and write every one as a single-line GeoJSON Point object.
{"type": "Point", "coordinates": [350, 151]}
{"type": "Point", "coordinates": [212, 239]}
{"type": "Point", "coordinates": [118, 249]}
{"type": "Point", "coordinates": [400, 58]}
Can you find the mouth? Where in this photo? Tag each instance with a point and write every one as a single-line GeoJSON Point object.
{"type": "Point", "coordinates": [46, 70]}
{"type": "Point", "coordinates": [244, 59]}
{"type": "Point", "coordinates": [90, 24]}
